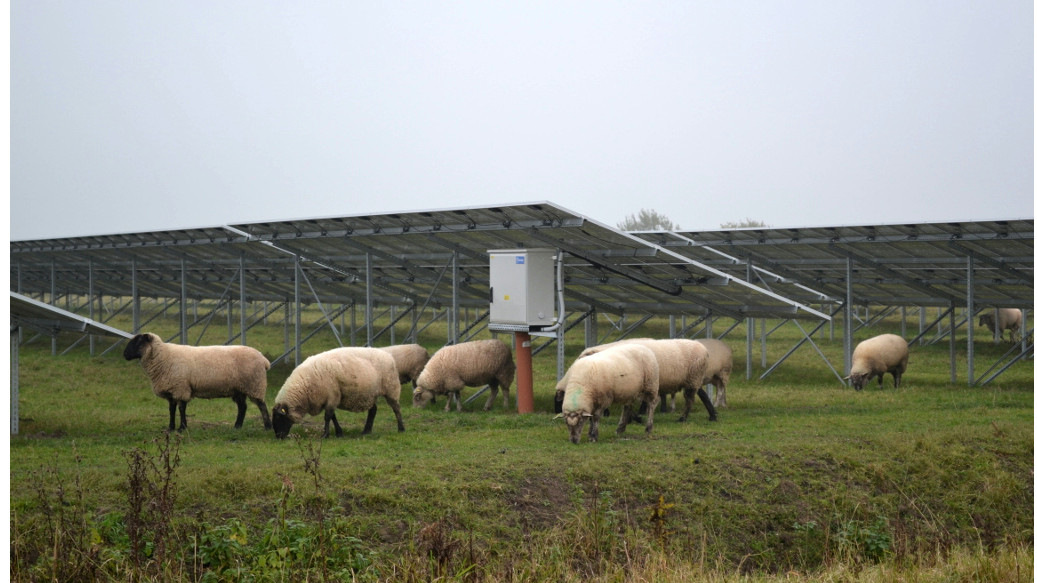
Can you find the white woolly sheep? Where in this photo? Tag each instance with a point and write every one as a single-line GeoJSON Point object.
{"type": "Point", "coordinates": [877, 356]}
{"type": "Point", "coordinates": [718, 372]}
{"type": "Point", "coordinates": [410, 361]}
{"type": "Point", "coordinates": [1002, 319]}
{"type": "Point", "coordinates": [468, 364]}
{"type": "Point", "coordinates": [180, 373]}
{"type": "Point", "coordinates": [682, 367]}
{"type": "Point", "coordinates": [625, 374]}
{"type": "Point", "coordinates": [350, 378]}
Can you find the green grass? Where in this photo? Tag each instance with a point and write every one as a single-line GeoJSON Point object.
{"type": "Point", "coordinates": [801, 478]}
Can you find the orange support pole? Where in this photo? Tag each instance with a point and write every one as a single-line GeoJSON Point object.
{"type": "Point", "coordinates": [524, 372]}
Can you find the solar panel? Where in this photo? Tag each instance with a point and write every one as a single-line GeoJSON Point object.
{"type": "Point", "coordinates": [408, 257]}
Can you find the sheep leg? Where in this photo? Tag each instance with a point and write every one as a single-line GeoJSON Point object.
{"type": "Point", "coordinates": [493, 396]}
{"type": "Point", "coordinates": [624, 418]}
{"type": "Point", "coordinates": [183, 415]}
{"type": "Point", "coordinates": [592, 434]}
{"type": "Point", "coordinates": [172, 413]}
{"type": "Point", "coordinates": [689, 400]}
{"type": "Point", "coordinates": [880, 380]}
{"type": "Point", "coordinates": [709, 406]}
{"type": "Point", "coordinates": [370, 419]}
{"type": "Point", "coordinates": [263, 411]}
{"type": "Point", "coordinates": [239, 399]}
{"type": "Point", "coordinates": [396, 409]}
{"type": "Point", "coordinates": [721, 389]}
{"type": "Point", "coordinates": [653, 403]}
{"type": "Point", "coordinates": [329, 417]}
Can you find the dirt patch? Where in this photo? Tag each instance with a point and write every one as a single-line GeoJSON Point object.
{"type": "Point", "coordinates": [539, 501]}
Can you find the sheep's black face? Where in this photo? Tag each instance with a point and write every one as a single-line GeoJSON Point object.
{"type": "Point", "coordinates": [858, 381]}
{"type": "Point", "coordinates": [135, 347]}
{"type": "Point", "coordinates": [282, 422]}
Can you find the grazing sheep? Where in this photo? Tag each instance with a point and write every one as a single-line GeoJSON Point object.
{"type": "Point", "coordinates": [1006, 319]}
{"type": "Point", "coordinates": [348, 378]}
{"type": "Point", "coordinates": [626, 374]}
{"type": "Point", "coordinates": [180, 373]}
{"type": "Point", "coordinates": [682, 367]}
{"type": "Point", "coordinates": [877, 356]}
{"type": "Point", "coordinates": [719, 371]}
{"type": "Point", "coordinates": [468, 364]}
{"type": "Point", "coordinates": [410, 361]}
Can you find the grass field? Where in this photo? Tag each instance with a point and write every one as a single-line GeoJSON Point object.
{"type": "Point", "coordinates": [801, 479]}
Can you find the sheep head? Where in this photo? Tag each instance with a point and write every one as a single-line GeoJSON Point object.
{"type": "Point", "coordinates": [282, 421]}
{"type": "Point", "coordinates": [575, 420]}
{"type": "Point", "coordinates": [858, 380]}
{"type": "Point", "coordinates": [422, 396]}
{"type": "Point", "coordinates": [137, 346]}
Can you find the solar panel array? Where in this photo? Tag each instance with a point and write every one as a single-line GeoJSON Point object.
{"type": "Point", "coordinates": [925, 264]}
{"type": "Point", "coordinates": [408, 258]}
{"type": "Point", "coordinates": [437, 257]}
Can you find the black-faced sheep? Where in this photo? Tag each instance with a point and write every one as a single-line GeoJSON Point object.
{"type": "Point", "coordinates": [877, 356]}
{"type": "Point", "coordinates": [468, 364]}
{"type": "Point", "coordinates": [350, 379]}
{"type": "Point", "coordinates": [1006, 319]}
{"type": "Point", "coordinates": [718, 373]}
{"type": "Point", "coordinates": [683, 365]}
{"type": "Point", "coordinates": [626, 374]}
{"type": "Point", "coordinates": [180, 373]}
{"type": "Point", "coordinates": [410, 361]}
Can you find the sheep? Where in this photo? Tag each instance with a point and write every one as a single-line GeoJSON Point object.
{"type": "Point", "coordinates": [877, 356]}
{"type": "Point", "coordinates": [682, 367]}
{"type": "Point", "coordinates": [625, 374]}
{"type": "Point", "coordinates": [180, 373]}
{"type": "Point", "coordinates": [719, 370]}
{"type": "Point", "coordinates": [468, 364]}
{"type": "Point", "coordinates": [350, 378]}
{"type": "Point", "coordinates": [1006, 319]}
{"type": "Point", "coordinates": [410, 361]}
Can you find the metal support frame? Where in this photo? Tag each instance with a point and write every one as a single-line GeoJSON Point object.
{"type": "Point", "coordinates": [135, 295]}
{"type": "Point", "coordinates": [16, 333]}
{"type": "Point", "coordinates": [183, 300]}
{"type": "Point", "coordinates": [298, 311]}
{"type": "Point", "coordinates": [848, 319]}
{"type": "Point", "coordinates": [53, 301]}
{"type": "Point", "coordinates": [953, 346]}
{"type": "Point", "coordinates": [242, 298]}
{"type": "Point", "coordinates": [90, 300]}
{"type": "Point", "coordinates": [369, 303]}
{"type": "Point", "coordinates": [807, 338]}
{"type": "Point", "coordinates": [454, 330]}
{"type": "Point", "coordinates": [970, 304]}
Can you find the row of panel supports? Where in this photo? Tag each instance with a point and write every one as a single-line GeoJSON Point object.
{"type": "Point", "coordinates": [251, 313]}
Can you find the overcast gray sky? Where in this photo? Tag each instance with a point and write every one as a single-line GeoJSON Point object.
{"type": "Point", "coordinates": [139, 116]}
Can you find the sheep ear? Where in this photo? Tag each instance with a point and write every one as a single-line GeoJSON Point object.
{"type": "Point", "coordinates": [587, 415]}
{"type": "Point", "coordinates": [558, 416]}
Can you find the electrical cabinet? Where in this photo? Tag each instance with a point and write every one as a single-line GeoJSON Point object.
{"type": "Point", "coordinates": [522, 288]}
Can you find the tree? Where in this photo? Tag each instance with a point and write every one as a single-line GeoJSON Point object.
{"type": "Point", "coordinates": [744, 224]}
{"type": "Point", "coordinates": [647, 220]}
